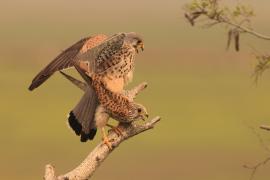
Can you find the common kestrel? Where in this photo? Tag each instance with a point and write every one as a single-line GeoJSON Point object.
{"type": "Point", "coordinates": [112, 104]}
{"type": "Point", "coordinates": [112, 59]}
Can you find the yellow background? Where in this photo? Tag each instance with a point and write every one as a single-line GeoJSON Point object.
{"type": "Point", "coordinates": [205, 95]}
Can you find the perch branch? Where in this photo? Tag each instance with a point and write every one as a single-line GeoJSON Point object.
{"type": "Point", "coordinates": [87, 168]}
{"type": "Point", "coordinates": [264, 127]}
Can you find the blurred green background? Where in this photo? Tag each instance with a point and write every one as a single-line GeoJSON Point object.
{"type": "Point", "coordinates": [205, 95]}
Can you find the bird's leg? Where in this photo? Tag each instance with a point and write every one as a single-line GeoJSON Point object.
{"type": "Point", "coordinates": [116, 129]}
{"type": "Point", "coordinates": [106, 139]}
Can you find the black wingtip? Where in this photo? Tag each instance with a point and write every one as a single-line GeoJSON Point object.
{"type": "Point", "coordinates": [77, 128]}
{"type": "Point", "coordinates": [31, 87]}
{"type": "Point", "coordinates": [38, 80]}
{"type": "Point", "coordinates": [92, 133]}
{"type": "Point", "coordinates": [74, 123]}
{"type": "Point", "coordinates": [90, 136]}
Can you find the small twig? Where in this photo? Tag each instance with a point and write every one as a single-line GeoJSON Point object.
{"type": "Point", "coordinates": [247, 30]}
{"type": "Point", "coordinates": [256, 167]}
{"type": "Point", "coordinates": [217, 17]}
{"type": "Point", "coordinates": [264, 127]}
{"type": "Point", "coordinates": [131, 94]}
{"type": "Point", "coordinates": [260, 139]}
{"type": "Point", "coordinates": [87, 168]}
{"type": "Point", "coordinates": [244, 29]}
{"type": "Point", "coordinates": [264, 146]}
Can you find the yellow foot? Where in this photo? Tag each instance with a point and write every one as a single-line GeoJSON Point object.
{"type": "Point", "coordinates": [107, 142]}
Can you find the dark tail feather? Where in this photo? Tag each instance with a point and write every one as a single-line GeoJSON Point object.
{"type": "Point", "coordinates": [90, 135]}
{"type": "Point", "coordinates": [77, 127]}
{"type": "Point", "coordinates": [81, 118]}
{"type": "Point", "coordinates": [74, 124]}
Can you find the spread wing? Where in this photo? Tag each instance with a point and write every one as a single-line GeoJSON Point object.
{"type": "Point", "coordinates": [66, 59]}
{"type": "Point", "coordinates": [100, 57]}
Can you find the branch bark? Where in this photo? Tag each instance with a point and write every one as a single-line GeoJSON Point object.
{"type": "Point", "coordinates": [87, 168]}
{"type": "Point", "coordinates": [247, 30]}
{"type": "Point", "coordinates": [264, 127]}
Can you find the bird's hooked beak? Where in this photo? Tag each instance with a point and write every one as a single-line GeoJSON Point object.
{"type": "Point", "coordinates": [140, 45]}
{"type": "Point", "coordinates": [144, 116]}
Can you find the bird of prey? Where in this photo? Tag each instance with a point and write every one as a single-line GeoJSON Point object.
{"type": "Point", "coordinates": [112, 59]}
{"type": "Point", "coordinates": [112, 104]}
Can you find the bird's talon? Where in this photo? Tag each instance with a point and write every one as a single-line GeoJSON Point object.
{"type": "Point", "coordinates": [108, 143]}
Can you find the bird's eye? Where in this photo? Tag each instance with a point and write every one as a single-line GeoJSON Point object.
{"type": "Point", "coordinates": [139, 110]}
{"type": "Point", "coordinates": [139, 41]}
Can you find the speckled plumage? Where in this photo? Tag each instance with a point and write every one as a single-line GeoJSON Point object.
{"type": "Point", "coordinates": [111, 59]}
{"type": "Point", "coordinates": [116, 104]}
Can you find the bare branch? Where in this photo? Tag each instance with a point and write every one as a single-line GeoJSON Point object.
{"type": "Point", "coordinates": [236, 19]}
{"type": "Point", "coordinates": [131, 94]}
{"type": "Point", "coordinates": [264, 146]}
{"type": "Point", "coordinates": [256, 167]}
{"type": "Point", "coordinates": [87, 168]}
{"type": "Point", "coordinates": [218, 15]}
{"type": "Point", "coordinates": [261, 67]}
{"type": "Point", "coordinates": [260, 139]}
{"type": "Point", "coordinates": [247, 30]}
{"type": "Point", "coordinates": [264, 127]}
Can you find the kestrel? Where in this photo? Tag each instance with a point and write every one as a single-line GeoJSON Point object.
{"type": "Point", "coordinates": [112, 104]}
{"type": "Point", "coordinates": [112, 59]}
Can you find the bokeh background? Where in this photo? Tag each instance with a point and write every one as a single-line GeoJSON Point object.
{"type": "Point", "coordinates": [205, 95]}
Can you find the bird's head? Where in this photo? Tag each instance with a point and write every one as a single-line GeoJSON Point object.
{"type": "Point", "coordinates": [140, 112]}
{"type": "Point", "coordinates": [134, 40]}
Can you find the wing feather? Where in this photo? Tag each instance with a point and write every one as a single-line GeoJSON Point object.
{"type": "Point", "coordinates": [66, 59]}
{"type": "Point", "coordinates": [98, 55]}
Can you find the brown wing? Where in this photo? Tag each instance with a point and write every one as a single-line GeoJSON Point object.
{"type": "Point", "coordinates": [99, 56]}
{"type": "Point", "coordinates": [66, 59]}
